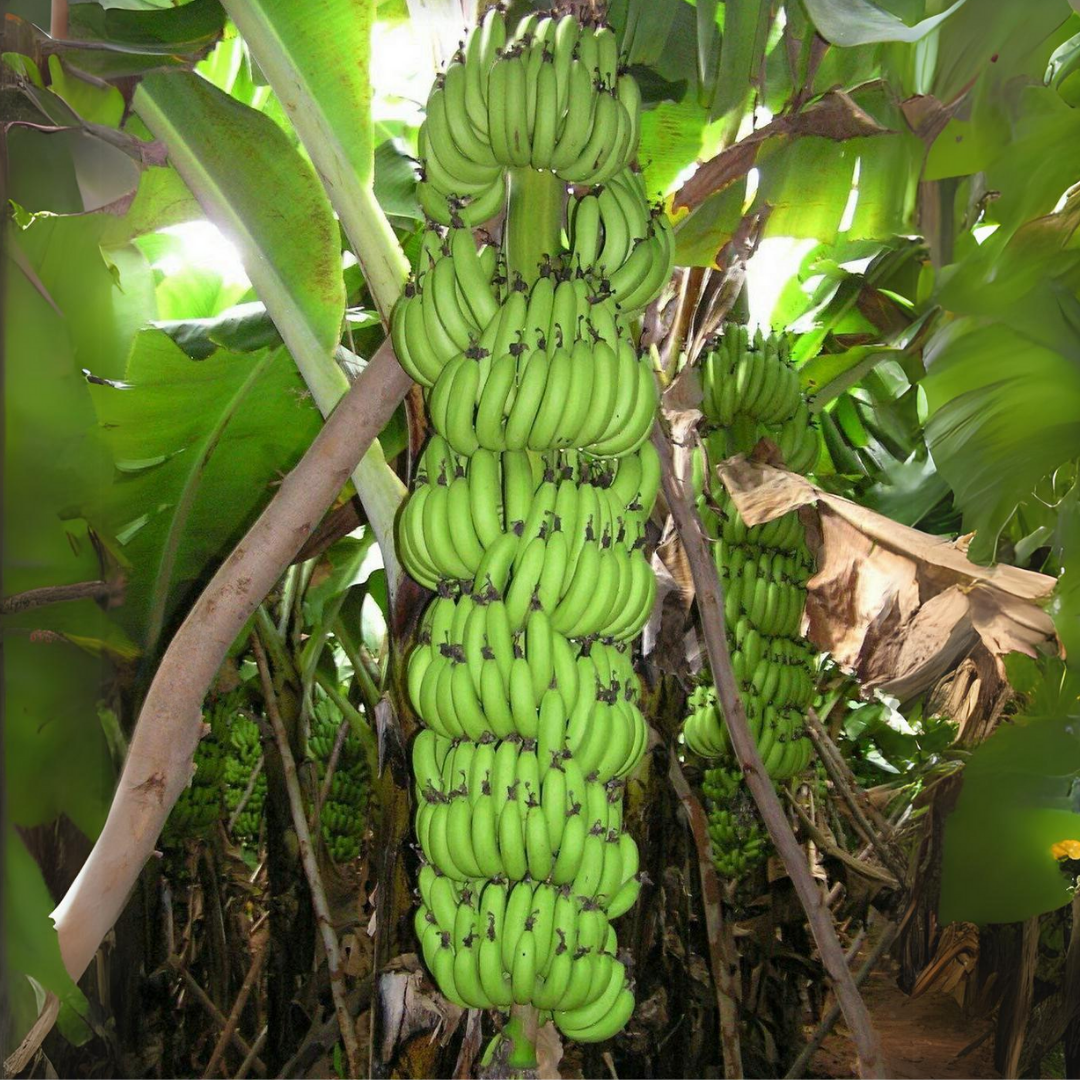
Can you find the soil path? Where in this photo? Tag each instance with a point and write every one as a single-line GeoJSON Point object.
{"type": "Point", "coordinates": [921, 1037]}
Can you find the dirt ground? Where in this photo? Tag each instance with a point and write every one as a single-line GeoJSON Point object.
{"type": "Point", "coordinates": [921, 1037]}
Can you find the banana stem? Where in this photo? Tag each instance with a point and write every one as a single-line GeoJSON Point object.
{"type": "Point", "coordinates": [533, 221]}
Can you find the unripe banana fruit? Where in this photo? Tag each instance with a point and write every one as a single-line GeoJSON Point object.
{"type": "Point", "coordinates": [751, 391]}
{"type": "Point", "coordinates": [528, 517]}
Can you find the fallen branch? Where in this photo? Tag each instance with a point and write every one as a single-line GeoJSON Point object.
{"type": "Point", "coordinates": [159, 761]}
{"type": "Point", "coordinates": [845, 782]}
{"type": "Point", "coordinates": [798, 1067]}
{"type": "Point", "coordinates": [58, 594]}
{"type": "Point", "coordinates": [723, 958]}
{"type": "Point", "coordinates": [233, 1020]}
{"type": "Point", "coordinates": [310, 863]}
{"type": "Point", "coordinates": [253, 1055]}
{"type": "Point", "coordinates": [710, 602]}
{"type": "Point", "coordinates": [215, 1013]}
{"type": "Point", "coordinates": [21, 1056]}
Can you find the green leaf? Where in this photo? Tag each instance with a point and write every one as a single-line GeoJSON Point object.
{"type": "Point", "coordinates": [261, 193]}
{"type": "Point", "coordinates": [827, 375]}
{"type": "Point", "coordinates": [186, 29]}
{"type": "Point", "coordinates": [342, 567]}
{"type": "Point", "coordinates": [1065, 606]}
{"type": "Point", "coordinates": [859, 22]}
{"type": "Point", "coordinates": [1019, 799]}
{"type": "Point", "coordinates": [316, 57]}
{"type": "Point", "coordinates": [243, 328]}
{"type": "Point", "coordinates": [98, 104]}
{"type": "Point", "coordinates": [746, 31]}
{"type": "Point", "coordinates": [701, 234]}
{"type": "Point", "coordinates": [32, 946]}
{"type": "Point", "coordinates": [199, 446]}
{"type": "Point", "coordinates": [1004, 412]}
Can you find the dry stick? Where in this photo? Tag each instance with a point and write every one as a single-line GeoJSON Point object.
{"type": "Point", "coordinates": [798, 1067]}
{"type": "Point", "coordinates": [238, 1007]}
{"type": "Point", "coordinates": [249, 790]}
{"type": "Point", "coordinates": [849, 786]}
{"type": "Point", "coordinates": [158, 764]}
{"type": "Point", "coordinates": [20, 1057]}
{"type": "Point", "coordinates": [253, 1056]}
{"type": "Point", "coordinates": [710, 602]}
{"type": "Point", "coordinates": [215, 1013]}
{"type": "Point", "coordinates": [310, 864]}
{"type": "Point", "coordinates": [331, 768]}
{"type": "Point", "coordinates": [723, 958]}
{"type": "Point", "coordinates": [56, 594]}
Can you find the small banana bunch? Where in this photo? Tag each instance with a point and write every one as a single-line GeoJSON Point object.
{"type": "Point", "coordinates": [737, 839]}
{"type": "Point", "coordinates": [751, 391]}
{"type": "Point", "coordinates": [613, 233]}
{"type": "Point", "coordinates": [245, 750]}
{"type": "Point", "coordinates": [200, 804]}
{"type": "Point", "coordinates": [528, 518]}
{"type": "Point", "coordinates": [343, 817]}
{"type": "Point", "coordinates": [492, 945]}
{"type": "Point", "coordinates": [550, 96]}
{"type": "Point", "coordinates": [561, 544]}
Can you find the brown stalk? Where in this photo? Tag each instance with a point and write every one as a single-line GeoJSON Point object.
{"type": "Point", "coordinates": [250, 980]}
{"type": "Point", "coordinates": [710, 603]}
{"type": "Point", "coordinates": [309, 862]}
{"type": "Point", "coordinates": [159, 760]}
{"type": "Point", "coordinates": [201, 997]}
{"type": "Point", "coordinates": [723, 957]}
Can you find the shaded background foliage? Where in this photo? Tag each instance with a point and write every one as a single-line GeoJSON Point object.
{"type": "Point", "coordinates": [898, 177]}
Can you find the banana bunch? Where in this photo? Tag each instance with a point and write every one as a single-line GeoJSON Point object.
{"type": "Point", "coordinates": [495, 944]}
{"type": "Point", "coordinates": [751, 391]}
{"type": "Point", "coordinates": [573, 550]}
{"type": "Point", "coordinates": [737, 839]}
{"type": "Point", "coordinates": [199, 807]}
{"type": "Point", "coordinates": [527, 518]}
{"type": "Point", "coordinates": [343, 817]}
{"type": "Point", "coordinates": [613, 233]}
{"type": "Point", "coordinates": [541, 369]}
{"type": "Point", "coordinates": [549, 97]}
{"type": "Point", "coordinates": [245, 750]}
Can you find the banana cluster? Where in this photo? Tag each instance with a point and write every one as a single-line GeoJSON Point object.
{"type": "Point", "coordinates": [245, 750]}
{"type": "Point", "coordinates": [495, 944]}
{"type": "Point", "coordinates": [343, 817]}
{"type": "Point", "coordinates": [737, 839]}
{"type": "Point", "coordinates": [751, 391]}
{"type": "Point", "coordinates": [613, 232]}
{"type": "Point", "coordinates": [550, 97]}
{"type": "Point", "coordinates": [527, 517]}
{"type": "Point", "coordinates": [541, 368]}
{"type": "Point", "coordinates": [199, 807]}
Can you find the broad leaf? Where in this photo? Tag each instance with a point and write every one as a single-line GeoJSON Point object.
{"type": "Point", "coordinates": [1004, 412]}
{"type": "Point", "coordinates": [315, 56]}
{"type": "Point", "coordinates": [260, 191]}
{"type": "Point", "coordinates": [199, 446]}
{"type": "Point", "coordinates": [112, 42]}
{"type": "Point", "coordinates": [262, 194]}
{"type": "Point", "coordinates": [859, 22]}
{"type": "Point", "coordinates": [1021, 797]}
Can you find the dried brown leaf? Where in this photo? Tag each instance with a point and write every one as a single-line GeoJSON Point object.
{"type": "Point", "coordinates": [896, 605]}
{"type": "Point", "coordinates": [833, 116]}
